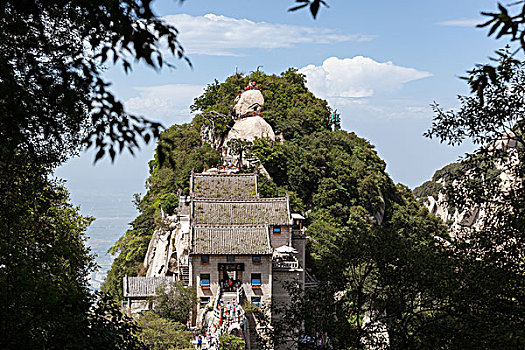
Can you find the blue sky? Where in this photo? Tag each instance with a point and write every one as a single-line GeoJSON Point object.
{"type": "Point", "coordinates": [380, 63]}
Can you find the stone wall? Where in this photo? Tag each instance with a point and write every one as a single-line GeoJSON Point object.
{"type": "Point", "coordinates": [299, 243]}
{"type": "Point", "coordinates": [265, 269]}
{"type": "Point", "coordinates": [284, 238]}
{"type": "Point", "coordinates": [280, 295]}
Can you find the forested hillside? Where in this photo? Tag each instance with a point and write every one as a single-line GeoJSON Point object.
{"type": "Point", "coordinates": [370, 240]}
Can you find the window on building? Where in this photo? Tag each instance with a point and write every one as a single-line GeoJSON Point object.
{"type": "Point", "coordinates": [256, 280]}
{"type": "Point", "coordinates": [277, 230]}
{"type": "Point", "coordinates": [204, 301]}
{"type": "Point", "coordinates": [256, 302]}
{"type": "Point", "coordinates": [256, 259]}
{"type": "Point", "coordinates": [205, 259]}
{"type": "Point", "coordinates": [230, 258]}
{"type": "Point", "coordinates": [205, 280]}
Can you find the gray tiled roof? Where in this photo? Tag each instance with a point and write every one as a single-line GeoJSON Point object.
{"type": "Point", "coordinates": [233, 240]}
{"type": "Point", "coordinates": [251, 211]}
{"type": "Point", "coordinates": [144, 286]}
{"type": "Point", "coordinates": [224, 185]}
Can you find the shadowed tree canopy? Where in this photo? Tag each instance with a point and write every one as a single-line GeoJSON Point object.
{"type": "Point", "coordinates": [491, 252]}
{"type": "Point", "coordinates": [52, 55]}
{"type": "Point", "coordinates": [54, 102]}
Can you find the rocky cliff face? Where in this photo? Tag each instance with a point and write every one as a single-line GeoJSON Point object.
{"type": "Point", "coordinates": [249, 129]}
{"type": "Point", "coordinates": [432, 192]}
{"type": "Point", "coordinates": [167, 250]}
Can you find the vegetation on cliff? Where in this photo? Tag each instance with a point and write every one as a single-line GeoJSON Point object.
{"type": "Point", "coordinates": [490, 181]}
{"type": "Point", "coordinates": [44, 264]}
{"type": "Point", "coordinates": [434, 186]}
{"type": "Point", "coordinates": [336, 179]}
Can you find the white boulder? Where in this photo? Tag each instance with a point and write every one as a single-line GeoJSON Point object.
{"type": "Point", "coordinates": [249, 101]}
{"type": "Point", "coordinates": [249, 129]}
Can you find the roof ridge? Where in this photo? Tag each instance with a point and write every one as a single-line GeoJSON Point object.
{"type": "Point", "coordinates": [230, 225]}
{"type": "Point", "coordinates": [202, 174]}
{"type": "Point", "coordinates": [240, 199]}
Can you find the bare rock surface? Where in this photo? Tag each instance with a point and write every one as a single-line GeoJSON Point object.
{"type": "Point", "coordinates": [249, 101]}
{"type": "Point", "coordinates": [249, 129]}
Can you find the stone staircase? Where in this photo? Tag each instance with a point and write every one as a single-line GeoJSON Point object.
{"type": "Point", "coordinates": [184, 273]}
{"type": "Point", "coordinates": [236, 321]}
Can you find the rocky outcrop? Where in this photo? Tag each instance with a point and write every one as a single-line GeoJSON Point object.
{"type": "Point", "coordinates": [249, 101]}
{"type": "Point", "coordinates": [167, 247]}
{"type": "Point", "coordinates": [249, 129]}
{"type": "Point", "coordinates": [473, 217]}
{"type": "Point", "coordinates": [249, 123]}
{"type": "Point", "coordinates": [439, 207]}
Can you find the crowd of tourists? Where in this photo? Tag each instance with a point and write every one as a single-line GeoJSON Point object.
{"type": "Point", "coordinates": [210, 338]}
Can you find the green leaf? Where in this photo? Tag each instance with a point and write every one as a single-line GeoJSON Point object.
{"type": "Point", "coordinates": [99, 154]}
{"type": "Point", "coordinates": [297, 8]}
{"type": "Point", "coordinates": [314, 8]}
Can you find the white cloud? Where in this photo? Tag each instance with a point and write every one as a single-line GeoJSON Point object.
{"type": "Point", "coordinates": [357, 77]}
{"type": "Point", "coordinates": [167, 103]}
{"type": "Point", "coordinates": [220, 35]}
{"type": "Point", "coordinates": [461, 22]}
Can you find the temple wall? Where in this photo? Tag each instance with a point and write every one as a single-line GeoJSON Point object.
{"type": "Point", "coordinates": [280, 295]}
{"type": "Point", "coordinates": [284, 238]}
{"type": "Point", "coordinates": [300, 245]}
{"type": "Point", "coordinates": [265, 269]}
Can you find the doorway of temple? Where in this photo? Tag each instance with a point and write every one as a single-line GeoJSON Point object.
{"type": "Point", "coordinates": [230, 276]}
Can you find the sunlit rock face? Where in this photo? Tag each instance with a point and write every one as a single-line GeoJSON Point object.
{"type": "Point", "coordinates": [249, 123]}
{"type": "Point", "coordinates": [473, 218]}
{"type": "Point", "coordinates": [249, 129]}
{"type": "Point", "coordinates": [167, 249]}
{"type": "Point", "coordinates": [249, 101]}
{"type": "Point", "coordinates": [439, 207]}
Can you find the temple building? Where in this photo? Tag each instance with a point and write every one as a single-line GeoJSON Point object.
{"type": "Point", "coordinates": [236, 249]}
{"type": "Point", "coordinates": [241, 242]}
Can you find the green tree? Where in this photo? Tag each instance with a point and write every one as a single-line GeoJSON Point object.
{"type": "Point", "coordinates": [158, 333]}
{"type": "Point", "coordinates": [43, 260]}
{"type": "Point", "coordinates": [312, 314]}
{"type": "Point", "coordinates": [54, 102]}
{"type": "Point", "coordinates": [489, 305]}
{"type": "Point", "coordinates": [52, 53]}
{"type": "Point", "coordinates": [44, 265]}
{"type": "Point", "coordinates": [505, 23]}
{"type": "Point", "coordinates": [175, 302]}
{"type": "Point", "coordinates": [389, 275]}
{"type": "Point", "coordinates": [231, 342]}
{"type": "Point", "coordinates": [239, 147]}
{"type": "Point", "coordinates": [109, 328]}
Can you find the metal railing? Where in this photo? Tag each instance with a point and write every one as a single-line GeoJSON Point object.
{"type": "Point", "coordinates": [216, 311]}
{"type": "Point", "coordinates": [286, 264]}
